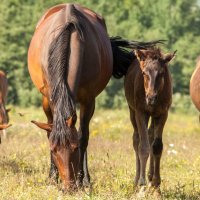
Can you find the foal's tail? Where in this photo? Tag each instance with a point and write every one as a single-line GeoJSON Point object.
{"type": "Point", "coordinates": [60, 95]}
{"type": "Point", "coordinates": [122, 58]}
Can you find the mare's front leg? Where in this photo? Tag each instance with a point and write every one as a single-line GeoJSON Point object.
{"type": "Point", "coordinates": [144, 146]}
{"type": "Point", "coordinates": [86, 113]}
{"type": "Point", "coordinates": [157, 147]}
{"type": "Point", "coordinates": [53, 173]}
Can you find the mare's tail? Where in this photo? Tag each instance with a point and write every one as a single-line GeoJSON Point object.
{"type": "Point", "coordinates": [60, 96]}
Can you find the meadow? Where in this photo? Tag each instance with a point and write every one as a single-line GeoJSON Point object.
{"type": "Point", "coordinates": [24, 158]}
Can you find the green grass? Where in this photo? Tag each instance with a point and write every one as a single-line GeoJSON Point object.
{"type": "Point", "coordinates": [24, 158]}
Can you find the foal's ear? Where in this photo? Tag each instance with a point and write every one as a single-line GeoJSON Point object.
{"type": "Point", "coordinates": [168, 57]}
{"type": "Point", "coordinates": [141, 56]}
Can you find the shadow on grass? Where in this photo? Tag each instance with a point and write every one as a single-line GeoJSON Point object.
{"type": "Point", "coordinates": [17, 166]}
{"type": "Point", "coordinates": [179, 192]}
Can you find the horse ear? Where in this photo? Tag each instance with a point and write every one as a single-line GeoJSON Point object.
{"type": "Point", "coordinates": [4, 126]}
{"type": "Point", "coordinates": [47, 127]}
{"type": "Point", "coordinates": [69, 122]}
{"type": "Point", "coordinates": [140, 55]}
{"type": "Point", "coordinates": [168, 57]}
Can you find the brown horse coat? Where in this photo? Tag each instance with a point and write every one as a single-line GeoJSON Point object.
{"type": "Point", "coordinates": [3, 98]}
{"type": "Point", "coordinates": [69, 60]}
{"type": "Point", "coordinates": [195, 85]}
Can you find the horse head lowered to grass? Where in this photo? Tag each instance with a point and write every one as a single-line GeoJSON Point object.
{"type": "Point", "coordinates": [148, 90]}
{"type": "Point", "coordinates": [69, 60]}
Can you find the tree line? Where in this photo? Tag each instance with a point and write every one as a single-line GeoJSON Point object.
{"type": "Point", "coordinates": [176, 21]}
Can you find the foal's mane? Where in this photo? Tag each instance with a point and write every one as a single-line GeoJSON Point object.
{"type": "Point", "coordinates": [122, 57]}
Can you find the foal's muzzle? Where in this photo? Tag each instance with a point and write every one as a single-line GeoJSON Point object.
{"type": "Point", "coordinates": [151, 99]}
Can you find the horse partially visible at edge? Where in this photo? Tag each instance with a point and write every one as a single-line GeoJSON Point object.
{"type": "Point", "coordinates": [4, 119]}
{"type": "Point", "coordinates": [195, 85]}
{"type": "Point", "coordinates": [70, 61]}
{"type": "Point", "coordinates": [148, 90]}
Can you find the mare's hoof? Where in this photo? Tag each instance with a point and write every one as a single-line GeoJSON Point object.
{"type": "Point", "coordinates": [86, 183]}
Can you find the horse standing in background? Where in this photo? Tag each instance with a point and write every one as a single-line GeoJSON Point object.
{"type": "Point", "coordinates": [195, 85]}
{"type": "Point", "coordinates": [148, 90]}
{"type": "Point", "coordinates": [3, 97]}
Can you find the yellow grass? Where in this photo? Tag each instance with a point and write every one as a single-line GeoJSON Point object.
{"type": "Point", "coordinates": [24, 158]}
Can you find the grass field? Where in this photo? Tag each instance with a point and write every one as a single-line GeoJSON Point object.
{"type": "Point", "coordinates": [24, 158]}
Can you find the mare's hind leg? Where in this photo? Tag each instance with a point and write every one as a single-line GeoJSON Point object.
{"type": "Point", "coordinates": [53, 173]}
{"type": "Point", "coordinates": [157, 147]}
{"type": "Point", "coordinates": [86, 113]}
{"type": "Point", "coordinates": [135, 145]}
{"type": "Point", "coordinates": [151, 139]}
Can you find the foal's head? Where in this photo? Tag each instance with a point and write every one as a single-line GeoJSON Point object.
{"type": "Point", "coordinates": [153, 65]}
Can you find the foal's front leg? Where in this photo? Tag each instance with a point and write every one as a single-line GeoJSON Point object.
{"type": "Point", "coordinates": [151, 139]}
{"type": "Point", "coordinates": [157, 147]}
{"type": "Point", "coordinates": [144, 146]}
{"type": "Point", "coordinates": [135, 145]}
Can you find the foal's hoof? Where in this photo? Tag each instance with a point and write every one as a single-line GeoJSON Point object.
{"type": "Point", "coordinates": [141, 182]}
{"type": "Point", "coordinates": [155, 182]}
{"type": "Point", "coordinates": [154, 191]}
{"type": "Point", "coordinates": [142, 192]}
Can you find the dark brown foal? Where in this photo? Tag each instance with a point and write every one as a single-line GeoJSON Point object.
{"type": "Point", "coordinates": [148, 91]}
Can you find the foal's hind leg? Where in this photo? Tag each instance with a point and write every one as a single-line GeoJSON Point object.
{"type": "Point", "coordinates": [135, 145]}
{"type": "Point", "coordinates": [53, 173]}
{"type": "Point", "coordinates": [151, 139]}
{"type": "Point", "coordinates": [86, 113]}
{"type": "Point", "coordinates": [158, 147]}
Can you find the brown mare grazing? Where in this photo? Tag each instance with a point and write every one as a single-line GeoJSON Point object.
{"type": "Point", "coordinates": [148, 90]}
{"type": "Point", "coordinates": [69, 60]}
{"type": "Point", "coordinates": [3, 96]}
{"type": "Point", "coordinates": [195, 85]}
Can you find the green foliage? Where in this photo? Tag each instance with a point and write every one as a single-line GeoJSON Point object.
{"type": "Point", "coordinates": [177, 21]}
{"type": "Point", "coordinates": [182, 104]}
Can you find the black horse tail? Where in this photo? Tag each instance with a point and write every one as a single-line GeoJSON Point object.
{"type": "Point", "coordinates": [61, 99]}
{"type": "Point", "coordinates": [122, 58]}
